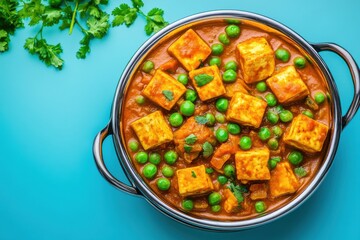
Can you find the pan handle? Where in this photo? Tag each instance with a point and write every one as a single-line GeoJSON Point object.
{"type": "Point", "coordinates": [97, 151]}
{"type": "Point", "coordinates": [355, 75]}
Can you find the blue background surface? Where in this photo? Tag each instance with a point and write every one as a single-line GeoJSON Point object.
{"type": "Point", "coordinates": [49, 185]}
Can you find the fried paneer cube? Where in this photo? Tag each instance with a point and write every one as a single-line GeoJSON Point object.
{"type": "Point", "coordinates": [256, 58]}
{"type": "Point", "coordinates": [197, 131]}
{"type": "Point", "coordinates": [190, 50]}
{"type": "Point", "coordinates": [283, 180]}
{"type": "Point", "coordinates": [306, 134]}
{"type": "Point", "coordinates": [287, 85]}
{"type": "Point", "coordinates": [231, 204]}
{"type": "Point", "coordinates": [246, 109]}
{"type": "Point", "coordinates": [207, 82]}
{"type": "Point", "coordinates": [252, 164]}
{"type": "Point", "coordinates": [164, 90]}
{"type": "Point", "coordinates": [152, 130]}
{"type": "Point", "coordinates": [193, 181]}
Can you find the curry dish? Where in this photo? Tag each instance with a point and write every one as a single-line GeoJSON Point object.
{"type": "Point", "coordinates": [226, 120]}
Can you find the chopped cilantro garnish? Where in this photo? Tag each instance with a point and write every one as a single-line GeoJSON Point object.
{"type": "Point", "coordinates": [209, 170]}
{"type": "Point", "coordinates": [201, 119]}
{"type": "Point", "coordinates": [203, 79]}
{"type": "Point", "coordinates": [169, 95]}
{"type": "Point", "coordinates": [191, 139]}
{"type": "Point", "coordinates": [187, 148]}
{"type": "Point", "coordinates": [193, 174]}
{"type": "Point", "coordinates": [237, 190]}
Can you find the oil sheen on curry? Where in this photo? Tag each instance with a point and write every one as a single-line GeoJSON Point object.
{"type": "Point", "coordinates": [226, 120]}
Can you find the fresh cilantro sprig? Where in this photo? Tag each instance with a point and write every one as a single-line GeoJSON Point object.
{"type": "Point", "coordinates": [10, 20]}
{"type": "Point", "coordinates": [124, 14]}
{"type": "Point", "coordinates": [87, 15]}
{"type": "Point", "coordinates": [46, 16]}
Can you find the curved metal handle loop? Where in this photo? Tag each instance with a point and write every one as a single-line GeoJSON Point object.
{"type": "Point", "coordinates": [97, 151]}
{"type": "Point", "coordinates": [355, 75]}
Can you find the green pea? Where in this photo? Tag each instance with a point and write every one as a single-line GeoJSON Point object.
{"type": "Point", "coordinates": [261, 86]}
{"type": "Point", "coordinates": [245, 143]}
{"type": "Point", "coordinates": [149, 171]}
{"type": "Point", "coordinates": [282, 54]}
{"type": "Point", "coordinates": [319, 97]}
{"type": "Point", "coordinates": [220, 118]}
{"type": "Point", "coordinates": [187, 204]}
{"type": "Point", "coordinates": [217, 49]}
{"type": "Point", "coordinates": [163, 184]}
{"type": "Point", "coordinates": [272, 117]}
{"type": "Point", "coordinates": [223, 38]}
{"type": "Point", "coordinates": [229, 76]}
{"type": "Point", "coordinates": [221, 135]}
{"type": "Point", "coordinates": [148, 66]}
{"type": "Point", "coordinates": [176, 119]}
{"type": "Point", "coordinates": [308, 113]}
{"type": "Point", "coordinates": [295, 157]}
{"type": "Point", "coordinates": [260, 206]}
{"type": "Point", "coordinates": [271, 99]}
{"type": "Point", "coordinates": [170, 157]}
{"type": "Point", "coordinates": [285, 116]}
{"type": "Point", "coordinates": [140, 100]}
{"type": "Point", "coordinates": [264, 133]}
{"type": "Point", "coordinates": [210, 119]}
{"type": "Point", "coordinates": [187, 108]}
{"type": "Point", "coordinates": [233, 128]}
{"type": "Point", "coordinates": [155, 158]}
{"type": "Point", "coordinates": [273, 162]}
{"type": "Point", "coordinates": [299, 62]}
{"type": "Point", "coordinates": [277, 131]}
{"type": "Point", "coordinates": [190, 95]}
{"type": "Point", "coordinates": [231, 65]}
{"type": "Point", "coordinates": [232, 31]}
{"type": "Point", "coordinates": [273, 143]}
{"type": "Point", "coordinates": [133, 145]}
{"type": "Point", "coordinates": [167, 171]}
{"type": "Point", "coordinates": [141, 157]}
{"type": "Point", "coordinates": [214, 198]}
{"type": "Point", "coordinates": [215, 61]}
{"type": "Point", "coordinates": [229, 170]}
{"type": "Point", "coordinates": [216, 208]}
{"type": "Point", "coordinates": [183, 78]}
{"type": "Point", "coordinates": [222, 104]}
{"type": "Point", "coordinates": [222, 179]}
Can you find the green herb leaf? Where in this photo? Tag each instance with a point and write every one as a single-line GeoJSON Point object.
{"type": "Point", "coordinates": [193, 174]}
{"type": "Point", "coordinates": [137, 3]}
{"type": "Point", "coordinates": [187, 148]}
{"type": "Point", "coordinates": [201, 119]}
{"type": "Point", "coordinates": [169, 95]}
{"type": "Point", "coordinates": [51, 16]}
{"type": "Point", "coordinates": [203, 79]}
{"type": "Point", "coordinates": [155, 21]}
{"type": "Point", "coordinates": [49, 54]}
{"type": "Point", "coordinates": [207, 149]}
{"type": "Point", "coordinates": [124, 14]}
{"type": "Point", "coordinates": [98, 27]}
{"type": "Point", "coordinates": [4, 41]}
{"type": "Point", "coordinates": [191, 139]}
{"type": "Point", "coordinates": [300, 172]}
{"type": "Point", "coordinates": [237, 191]}
{"type": "Point", "coordinates": [209, 170]}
